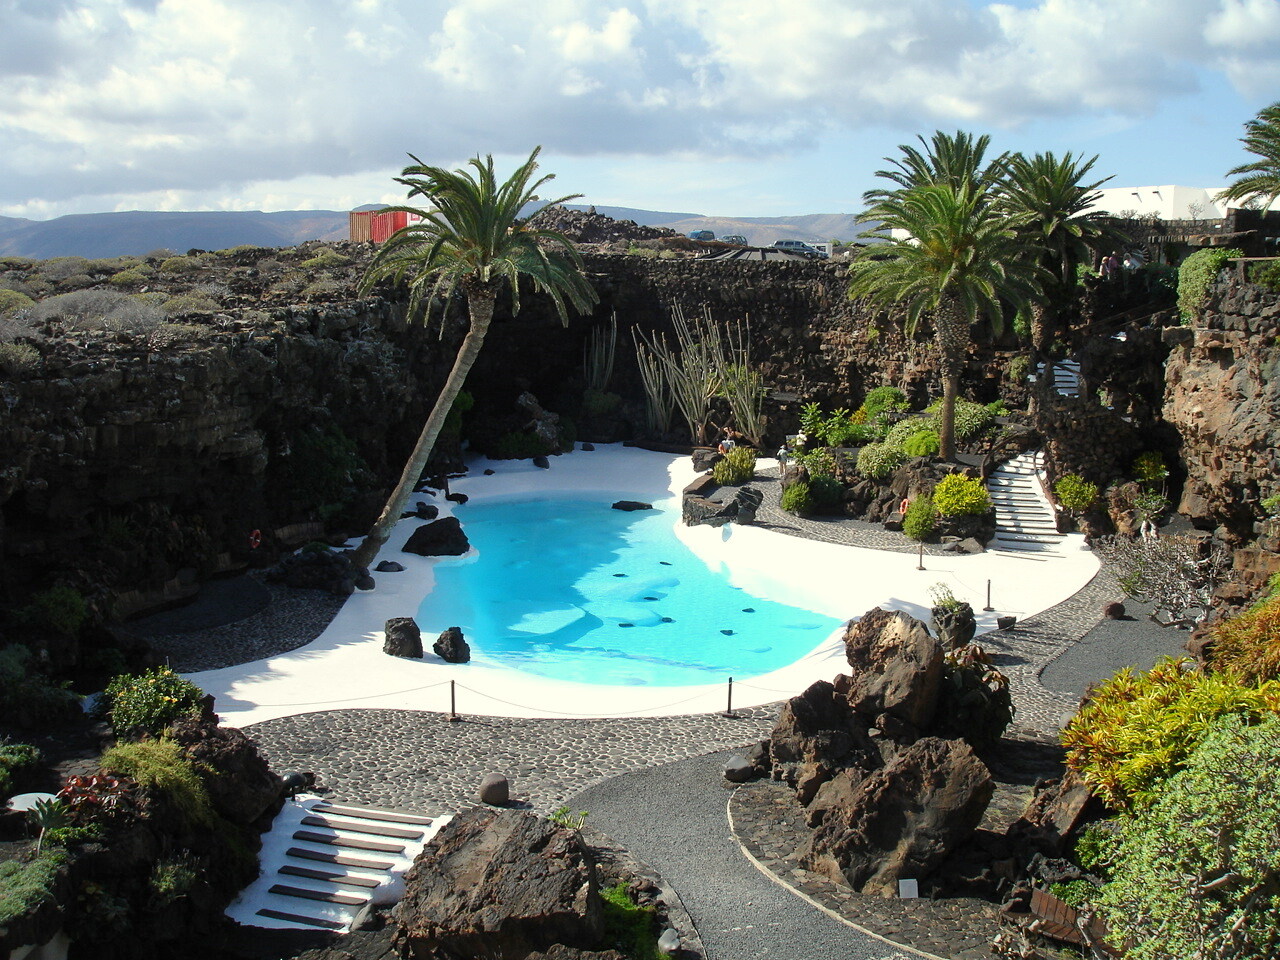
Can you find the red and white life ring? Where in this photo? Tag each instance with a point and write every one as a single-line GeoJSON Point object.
{"type": "Point", "coordinates": [255, 539]}
{"type": "Point", "coordinates": [902, 507]}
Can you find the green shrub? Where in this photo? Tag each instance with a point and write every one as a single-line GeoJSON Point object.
{"type": "Point", "coordinates": [825, 491]}
{"type": "Point", "coordinates": [518, 445]}
{"type": "Point", "coordinates": [1136, 731]}
{"type": "Point", "coordinates": [463, 402]}
{"type": "Point", "coordinates": [1271, 505]}
{"type": "Point", "coordinates": [797, 498]}
{"type": "Point", "coordinates": [1247, 646]}
{"type": "Point", "coordinates": [1095, 847]}
{"type": "Point", "coordinates": [162, 767]}
{"type": "Point", "coordinates": [13, 300]}
{"type": "Point", "coordinates": [27, 698]}
{"type": "Point", "coordinates": [921, 518]}
{"type": "Point", "coordinates": [61, 609]}
{"type": "Point", "coordinates": [325, 258]}
{"type": "Point", "coordinates": [819, 462]}
{"type": "Point", "coordinates": [133, 277]}
{"type": "Point", "coordinates": [1018, 368]}
{"type": "Point", "coordinates": [738, 466]}
{"type": "Point", "coordinates": [884, 400]}
{"type": "Point", "coordinates": [1266, 274]}
{"type": "Point", "coordinates": [902, 431]}
{"type": "Point", "coordinates": [14, 757]}
{"type": "Point", "coordinates": [24, 887]}
{"type": "Point", "coordinates": [1195, 873]}
{"type": "Point", "coordinates": [997, 408]}
{"type": "Point", "coordinates": [1079, 893]}
{"type": "Point", "coordinates": [599, 403]}
{"type": "Point", "coordinates": [631, 929]}
{"type": "Point", "coordinates": [171, 879]}
{"type": "Point", "coordinates": [974, 701]}
{"type": "Point", "coordinates": [971, 418]}
{"type": "Point", "coordinates": [322, 471]}
{"type": "Point", "coordinates": [60, 268]}
{"type": "Point", "coordinates": [18, 359]}
{"type": "Point", "coordinates": [186, 303]}
{"type": "Point", "coordinates": [957, 495]}
{"type": "Point", "coordinates": [1076, 493]}
{"type": "Point", "coordinates": [178, 264]}
{"type": "Point", "coordinates": [877, 461]}
{"type": "Point", "coordinates": [149, 702]}
{"type": "Point", "coordinates": [924, 443]}
{"type": "Point", "coordinates": [1196, 274]}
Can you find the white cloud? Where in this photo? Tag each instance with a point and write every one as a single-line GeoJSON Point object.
{"type": "Point", "coordinates": [112, 98]}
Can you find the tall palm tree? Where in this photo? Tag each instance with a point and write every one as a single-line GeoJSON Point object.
{"type": "Point", "coordinates": [1261, 178]}
{"type": "Point", "coordinates": [957, 159]}
{"type": "Point", "coordinates": [471, 238]}
{"type": "Point", "coordinates": [959, 257]}
{"type": "Point", "coordinates": [1046, 194]}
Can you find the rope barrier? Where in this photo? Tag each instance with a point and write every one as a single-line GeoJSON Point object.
{"type": "Point", "coordinates": [321, 703]}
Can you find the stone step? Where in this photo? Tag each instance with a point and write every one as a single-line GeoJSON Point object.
{"type": "Point", "coordinates": [1020, 546]}
{"type": "Point", "coordinates": [1009, 536]}
{"type": "Point", "coordinates": [321, 896]}
{"type": "Point", "coordinates": [351, 843]}
{"type": "Point", "coordinates": [341, 879]}
{"type": "Point", "coordinates": [339, 859]}
{"type": "Point", "coordinates": [322, 922]}
{"type": "Point", "coordinates": [366, 813]}
{"type": "Point", "coordinates": [376, 829]}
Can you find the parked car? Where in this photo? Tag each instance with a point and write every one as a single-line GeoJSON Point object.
{"type": "Point", "coordinates": [735, 238]}
{"type": "Point", "coordinates": [800, 247]}
{"type": "Point", "coordinates": [702, 235]}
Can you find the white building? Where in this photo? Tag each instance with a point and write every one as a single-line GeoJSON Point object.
{"type": "Point", "coordinates": [1167, 202]}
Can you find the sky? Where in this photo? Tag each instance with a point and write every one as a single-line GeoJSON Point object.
{"type": "Point", "coordinates": [749, 108]}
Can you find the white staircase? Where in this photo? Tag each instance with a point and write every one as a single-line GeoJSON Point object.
{"type": "Point", "coordinates": [1066, 377]}
{"type": "Point", "coordinates": [322, 863]}
{"type": "Point", "coordinates": [1025, 522]}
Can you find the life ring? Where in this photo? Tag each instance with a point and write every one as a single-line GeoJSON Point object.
{"type": "Point", "coordinates": [902, 507]}
{"type": "Point", "coordinates": [255, 539]}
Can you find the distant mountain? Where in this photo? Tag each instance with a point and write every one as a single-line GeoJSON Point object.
{"type": "Point", "coordinates": [139, 231]}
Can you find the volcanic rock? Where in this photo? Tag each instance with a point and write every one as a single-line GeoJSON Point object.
{"type": "Point", "coordinates": [439, 538]}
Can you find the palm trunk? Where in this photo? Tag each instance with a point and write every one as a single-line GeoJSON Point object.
{"type": "Point", "coordinates": [952, 334]}
{"type": "Point", "coordinates": [1042, 387]}
{"type": "Point", "coordinates": [480, 303]}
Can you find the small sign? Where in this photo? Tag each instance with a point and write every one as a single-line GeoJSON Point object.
{"type": "Point", "coordinates": [908, 889]}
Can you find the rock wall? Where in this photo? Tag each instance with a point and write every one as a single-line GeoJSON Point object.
{"type": "Point", "coordinates": [1222, 394]}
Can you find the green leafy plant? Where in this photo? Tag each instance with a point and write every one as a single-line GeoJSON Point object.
{"type": "Point", "coordinates": [738, 466]}
{"type": "Point", "coordinates": [1095, 847]}
{"type": "Point", "coordinates": [49, 814]}
{"type": "Point", "coordinates": [1266, 274]}
{"type": "Point", "coordinates": [172, 879]}
{"type": "Point", "coordinates": [877, 461]}
{"type": "Point", "coordinates": [97, 797]}
{"type": "Point", "coordinates": [14, 757]}
{"type": "Point", "coordinates": [1138, 730]}
{"type": "Point", "coordinates": [25, 887]}
{"type": "Point", "coordinates": [974, 701]}
{"type": "Point", "coordinates": [325, 258]}
{"type": "Point", "coordinates": [971, 418]}
{"type": "Point", "coordinates": [1078, 893]}
{"type": "Point", "coordinates": [1195, 872]}
{"type": "Point", "coordinates": [921, 518]}
{"type": "Point", "coordinates": [901, 432]}
{"type": "Point", "coordinates": [1272, 505]}
{"type": "Point", "coordinates": [149, 702]}
{"type": "Point", "coordinates": [883, 400]}
{"type": "Point", "coordinates": [820, 462]}
{"type": "Point", "coordinates": [567, 818]}
{"type": "Point", "coordinates": [942, 596]}
{"type": "Point", "coordinates": [826, 491]}
{"type": "Point", "coordinates": [632, 928]}
{"type": "Point", "coordinates": [61, 609]}
{"type": "Point", "coordinates": [924, 443]}
{"type": "Point", "coordinates": [1017, 369]}
{"type": "Point", "coordinates": [1196, 274]}
{"type": "Point", "coordinates": [27, 697]}
{"type": "Point", "coordinates": [1149, 469]}
{"type": "Point", "coordinates": [161, 766]}
{"type": "Point", "coordinates": [518, 445]}
{"type": "Point", "coordinates": [798, 499]}
{"type": "Point", "coordinates": [1075, 493]}
{"type": "Point", "coordinates": [958, 495]}
{"type": "Point", "coordinates": [323, 470]}
{"type": "Point", "coordinates": [1247, 646]}
{"type": "Point", "coordinates": [13, 300]}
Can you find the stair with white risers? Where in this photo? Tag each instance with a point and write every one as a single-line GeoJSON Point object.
{"type": "Point", "coordinates": [1025, 521]}
{"type": "Point", "coordinates": [1066, 377]}
{"type": "Point", "coordinates": [322, 863]}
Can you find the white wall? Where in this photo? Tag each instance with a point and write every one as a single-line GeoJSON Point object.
{"type": "Point", "coordinates": [1167, 202]}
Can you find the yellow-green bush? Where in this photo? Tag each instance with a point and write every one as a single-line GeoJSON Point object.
{"type": "Point", "coordinates": [13, 300]}
{"type": "Point", "coordinates": [161, 766]}
{"type": "Point", "coordinates": [325, 258]}
{"type": "Point", "coordinates": [958, 495]}
{"type": "Point", "coordinates": [738, 466]}
{"type": "Point", "coordinates": [1138, 730]}
{"type": "Point", "coordinates": [17, 359]}
{"type": "Point", "coordinates": [149, 702]}
{"type": "Point", "coordinates": [1074, 492]}
{"type": "Point", "coordinates": [1247, 646]}
{"type": "Point", "coordinates": [178, 265]}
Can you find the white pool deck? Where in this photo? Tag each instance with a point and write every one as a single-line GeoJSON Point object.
{"type": "Point", "coordinates": [345, 667]}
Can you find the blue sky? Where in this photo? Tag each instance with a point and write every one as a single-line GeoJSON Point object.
{"type": "Point", "coordinates": [720, 107]}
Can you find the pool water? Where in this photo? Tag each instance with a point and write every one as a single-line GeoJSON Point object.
{"type": "Point", "coordinates": [576, 590]}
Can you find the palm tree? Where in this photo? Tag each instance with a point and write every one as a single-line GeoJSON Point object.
{"type": "Point", "coordinates": [472, 238]}
{"type": "Point", "coordinates": [956, 159]}
{"type": "Point", "coordinates": [1260, 179]}
{"type": "Point", "coordinates": [959, 257]}
{"type": "Point", "coordinates": [1048, 197]}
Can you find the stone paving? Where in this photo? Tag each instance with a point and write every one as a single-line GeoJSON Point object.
{"type": "Point", "coordinates": [422, 761]}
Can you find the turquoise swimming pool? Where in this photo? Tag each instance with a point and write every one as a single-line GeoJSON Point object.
{"type": "Point", "coordinates": [575, 590]}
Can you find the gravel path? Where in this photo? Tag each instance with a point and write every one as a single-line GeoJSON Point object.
{"type": "Point", "coordinates": [674, 818]}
